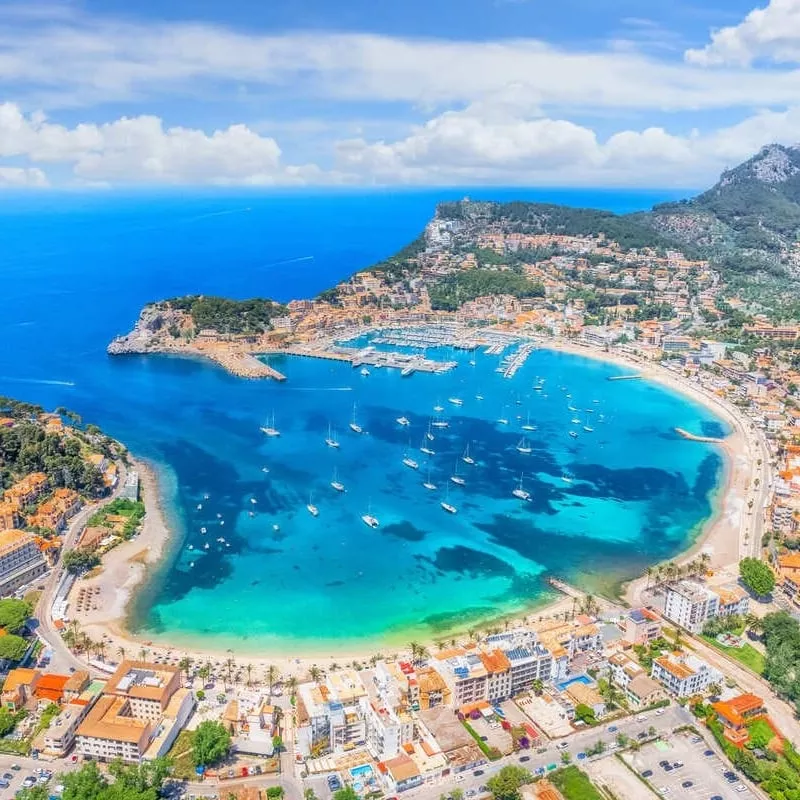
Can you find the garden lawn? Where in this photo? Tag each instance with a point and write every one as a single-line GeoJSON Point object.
{"type": "Point", "coordinates": [574, 784]}
{"type": "Point", "coordinates": [747, 655]}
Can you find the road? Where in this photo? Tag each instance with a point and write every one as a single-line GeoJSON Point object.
{"type": "Point", "coordinates": [63, 658]}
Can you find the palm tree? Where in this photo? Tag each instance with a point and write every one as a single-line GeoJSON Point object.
{"type": "Point", "coordinates": [121, 653]}
{"type": "Point", "coordinates": [229, 665]}
{"type": "Point", "coordinates": [185, 665]}
{"type": "Point", "coordinates": [291, 684]}
{"type": "Point", "coordinates": [589, 605]}
{"type": "Point", "coordinates": [649, 574]}
{"type": "Point", "coordinates": [143, 654]}
{"type": "Point", "coordinates": [100, 649]}
{"type": "Point", "coordinates": [440, 644]}
{"type": "Point", "coordinates": [315, 673]}
{"type": "Point", "coordinates": [334, 667]}
{"type": "Point", "coordinates": [272, 672]}
{"type": "Point", "coordinates": [249, 670]}
{"type": "Point", "coordinates": [414, 648]}
{"type": "Point", "coordinates": [537, 686]}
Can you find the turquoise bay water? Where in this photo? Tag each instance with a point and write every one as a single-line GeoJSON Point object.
{"type": "Point", "coordinates": [75, 272]}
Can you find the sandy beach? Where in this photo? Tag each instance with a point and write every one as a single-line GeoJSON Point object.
{"type": "Point", "coordinates": [126, 566]}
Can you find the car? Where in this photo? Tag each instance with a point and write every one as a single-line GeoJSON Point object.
{"type": "Point", "coordinates": [708, 753]}
{"type": "Point", "coordinates": [641, 735]}
{"type": "Point", "coordinates": [459, 778]}
{"type": "Point", "coordinates": [484, 738]}
{"type": "Point", "coordinates": [541, 749]}
{"type": "Point", "coordinates": [716, 797]}
{"type": "Point", "coordinates": [44, 779]}
{"type": "Point", "coordinates": [230, 772]}
{"type": "Point", "coordinates": [663, 763]}
{"type": "Point", "coordinates": [7, 776]}
{"type": "Point", "coordinates": [669, 768]}
{"type": "Point", "coordinates": [659, 712]}
{"type": "Point", "coordinates": [581, 756]}
{"type": "Point", "coordinates": [678, 764]}
{"type": "Point", "coordinates": [641, 718]}
{"type": "Point", "coordinates": [664, 790]}
{"type": "Point", "coordinates": [612, 728]}
{"type": "Point", "coordinates": [647, 773]}
{"type": "Point", "coordinates": [478, 773]}
{"type": "Point", "coordinates": [687, 784]}
{"type": "Point", "coordinates": [258, 769]}
{"type": "Point", "coordinates": [16, 767]}
{"type": "Point", "coordinates": [523, 759]}
{"type": "Point", "coordinates": [551, 767]}
{"type": "Point", "coordinates": [562, 745]}
{"type": "Point", "coordinates": [539, 771]}
{"type": "Point", "coordinates": [29, 781]}
{"type": "Point", "coordinates": [740, 788]}
{"type": "Point", "coordinates": [4, 784]}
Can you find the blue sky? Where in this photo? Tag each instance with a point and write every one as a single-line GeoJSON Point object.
{"type": "Point", "coordinates": [435, 92]}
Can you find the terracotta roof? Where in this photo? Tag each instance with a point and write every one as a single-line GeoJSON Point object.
{"type": "Point", "coordinates": [791, 561]}
{"type": "Point", "coordinates": [20, 677]}
{"type": "Point", "coordinates": [495, 661]}
{"type": "Point", "coordinates": [402, 768]}
{"type": "Point", "coordinates": [106, 721]}
{"type": "Point", "coordinates": [680, 671]}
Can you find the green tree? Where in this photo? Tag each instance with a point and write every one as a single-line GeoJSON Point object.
{"type": "Point", "coordinates": [275, 792]}
{"type": "Point", "coordinates": [12, 647]}
{"type": "Point", "coordinates": [79, 560]}
{"type": "Point", "coordinates": [211, 742]}
{"type": "Point", "coordinates": [585, 714]}
{"type": "Point", "coordinates": [756, 576]}
{"type": "Point", "coordinates": [277, 743]}
{"type": "Point", "coordinates": [34, 793]}
{"type": "Point", "coordinates": [348, 793]}
{"type": "Point", "coordinates": [507, 783]}
{"type": "Point", "coordinates": [14, 614]}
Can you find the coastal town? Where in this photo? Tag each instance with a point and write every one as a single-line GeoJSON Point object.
{"type": "Point", "coordinates": [687, 683]}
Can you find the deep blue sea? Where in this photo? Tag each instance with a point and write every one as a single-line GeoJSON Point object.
{"type": "Point", "coordinates": [76, 269]}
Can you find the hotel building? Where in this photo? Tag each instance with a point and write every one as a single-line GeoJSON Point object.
{"type": "Point", "coordinates": [691, 604]}
{"type": "Point", "coordinates": [21, 560]}
{"type": "Point", "coordinates": [139, 714]}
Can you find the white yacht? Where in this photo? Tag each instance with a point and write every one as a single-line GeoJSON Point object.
{"type": "Point", "coordinates": [575, 421]}
{"type": "Point", "coordinates": [527, 426]}
{"type": "Point", "coordinates": [270, 429]}
{"type": "Point", "coordinates": [404, 421]}
{"type": "Point", "coordinates": [457, 479]}
{"type": "Point", "coordinates": [312, 509]}
{"type": "Point", "coordinates": [203, 530]}
{"type": "Point", "coordinates": [524, 447]}
{"type": "Point", "coordinates": [467, 458]}
{"type": "Point", "coordinates": [429, 484]}
{"type": "Point", "coordinates": [573, 434]}
{"type": "Point", "coordinates": [370, 521]}
{"type": "Point", "coordinates": [425, 449]}
{"type": "Point", "coordinates": [364, 371]}
{"type": "Point", "coordinates": [440, 423]}
{"type": "Point", "coordinates": [521, 493]}
{"type": "Point", "coordinates": [354, 426]}
{"type": "Point", "coordinates": [330, 439]}
{"type": "Point", "coordinates": [449, 507]}
{"type": "Point", "coordinates": [456, 401]}
{"type": "Point", "coordinates": [410, 463]}
{"type": "Point", "coordinates": [336, 483]}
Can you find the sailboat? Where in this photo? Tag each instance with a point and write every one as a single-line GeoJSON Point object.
{"type": "Point", "coordinates": [368, 519]}
{"type": "Point", "coordinates": [429, 435]}
{"type": "Point", "coordinates": [456, 401]}
{"type": "Point", "coordinates": [404, 421]}
{"type": "Point", "coordinates": [270, 429]}
{"type": "Point", "coordinates": [425, 449]}
{"type": "Point", "coordinates": [519, 492]}
{"type": "Point", "coordinates": [354, 426]}
{"type": "Point", "coordinates": [588, 428]}
{"type": "Point", "coordinates": [571, 407]}
{"type": "Point", "coordinates": [467, 458]}
{"type": "Point", "coordinates": [440, 423]}
{"type": "Point", "coordinates": [527, 426]}
{"type": "Point", "coordinates": [446, 505]}
{"type": "Point", "coordinates": [409, 462]}
{"type": "Point", "coordinates": [456, 478]}
{"type": "Point", "coordinates": [567, 478]}
{"type": "Point", "coordinates": [502, 419]}
{"type": "Point", "coordinates": [573, 434]}
{"type": "Point", "coordinates": [575, 421]}
{"type": "Point", "coordinates": [312, 509]}
{"type": "Point", "coordinates": [524, 447]}
{"type": "Point", "coordinates": [479, 396]}
{"type": "Point", "coordinates": [364, 371]}
{"type": "Point", "coordinates": [438, 408]}
{"type": "Point", "coordinates": [428, 484]}
{"type": "Point", "coordinates": [336, 483]}
{"type": "Point", "coordinates": [331, 439]}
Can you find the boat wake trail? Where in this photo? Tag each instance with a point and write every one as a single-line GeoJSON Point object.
{"type": "Point", "coordinates": [286, 261]}
{"type": "Point", "coordinates": [318, 389]}
{"type": "Point", "coordinates": [36, 380]}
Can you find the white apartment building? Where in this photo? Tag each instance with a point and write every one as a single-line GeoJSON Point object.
{"type": "Point", "coordinates": [20, 560]}
{"type": "Point", "coordinates": [691, 605]}
{"type": "Point", "coordinates": [332, 716]}
{"type": "Point", "coordinates": [685, 675]}
{"type": "Point", "coordinates": [465, 676]}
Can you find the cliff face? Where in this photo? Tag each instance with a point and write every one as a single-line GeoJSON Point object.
{"type": "Point", "coordinates": [149, 330]}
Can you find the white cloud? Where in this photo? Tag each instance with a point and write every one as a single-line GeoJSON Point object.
{"type": "Point", "coordinates": [22, 177]}
{"type": "Point", "coordinates": [771, 33]}
{"type": "Point", "coordinates": [457, 147]}
{"type": "Point", "coordinates": [140, 149]}
{"type": "Point", "coordinates": [83, 61]}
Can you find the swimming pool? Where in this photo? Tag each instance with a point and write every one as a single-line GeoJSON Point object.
{"type": "Point", "coordinates": [363, 771]}
{"type": "Point", "coordinates": [584, 679]}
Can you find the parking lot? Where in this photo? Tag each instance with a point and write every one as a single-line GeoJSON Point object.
{"type": "Point", "coordinates": [698, 776]}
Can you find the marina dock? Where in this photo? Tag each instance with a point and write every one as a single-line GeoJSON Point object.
{"type": "Point", "coordinates": [694, 438]}
{"type": "Point", "coordinates": [370, 357]}
{"type": "Point", "coordinates": [244, 365]}
{"type": "Point", "coordinates": [513, 362]}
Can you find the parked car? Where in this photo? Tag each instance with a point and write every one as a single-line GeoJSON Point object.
{"type": "Point", "coordinates": [4, 784]}
{"type": "Point", "coordinates": [687, 784]}
{"type": "Point", "coordinates": [478, 773]}
{"type": "Point", "coordinates": [647, 773]}
{"type": "Point", "coordinates": [523, 759]}
{"type": "Point", "coordinates": [708, 754]}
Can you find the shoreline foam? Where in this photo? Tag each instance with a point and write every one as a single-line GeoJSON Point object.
{"type": "Point", "coordinates": [127, 568]}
